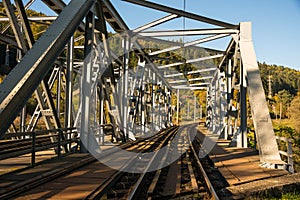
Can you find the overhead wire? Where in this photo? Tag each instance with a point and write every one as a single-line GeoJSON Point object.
{"type": "Point", "coordinates": [183, 37]}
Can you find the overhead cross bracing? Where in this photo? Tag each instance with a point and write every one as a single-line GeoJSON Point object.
{"type": "Point", "coordinates": [124, 80]}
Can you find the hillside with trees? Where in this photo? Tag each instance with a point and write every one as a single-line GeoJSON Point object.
{"type": "Point", "coordinates": [282, 86]}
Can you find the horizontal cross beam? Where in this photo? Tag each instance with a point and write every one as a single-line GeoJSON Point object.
{"type": "Point", "coordinates": [191, 72]}
{"type": "Point", "coordinates": [191, 32]}
{"type": "Point", "coordinates": [202, 40]}
{"type": "Point", "coordinates": [181, 13]}
{"type": "Point", "coordinates": [190, 61]}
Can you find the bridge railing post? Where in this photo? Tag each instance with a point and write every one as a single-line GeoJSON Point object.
{"type": "Point", "coordinates": [60, 133]}
{"type": "Point", "coordinates": [33, 139]}
{"type": "Point", "coordinates": [288, 153]}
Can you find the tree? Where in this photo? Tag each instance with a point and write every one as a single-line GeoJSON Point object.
{"type": "Point", "coordinates": [283, 99]}
{"type": "Point", "coordinates": [294, 112]}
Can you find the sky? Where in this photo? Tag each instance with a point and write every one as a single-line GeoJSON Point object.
{"type": "Point", "coordinates": [275, 23]}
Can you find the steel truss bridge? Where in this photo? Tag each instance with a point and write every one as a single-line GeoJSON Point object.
{"type": "Point", "coordinates": [83, 76]}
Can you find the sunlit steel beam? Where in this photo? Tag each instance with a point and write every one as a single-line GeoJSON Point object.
{"type": "Point", "coordinates": [202, 40]}
{"type": "Point", "coordinates": [190, 61]}
{"type": "Point", "coordinates": [191, 32]}
{"type": "Point", "coordinates": [181, 13]}
{"type": "Point", "coordinates": [179, 81]}
{"type": "Point", "coordinates": [33, 18]}
{"type": "Point", "coordinates": [16, 89]}
{"type": "Point", "coordinates": [155, 23]}
{"type": "Point", "coordinates": [200, 78]}
{"type": "Point", "coordinates": [188, 88]}
{"type": "Point", "coordinates": [199, 84]}
{"type": "Point", "coordinates": [191, 72]}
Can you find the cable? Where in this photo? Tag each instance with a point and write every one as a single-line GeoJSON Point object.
{"type": "Point", "coordinates": [183, 23]}
{"type": "Point", "coordinates": [183, 37]}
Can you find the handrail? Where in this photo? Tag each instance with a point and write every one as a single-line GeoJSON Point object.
{"type": "Point", "coordinates": [39, 132]}
{"type": "Point", "coordinates": [57, 133]}
{"type": "Point", "coordinates": [289, 153]}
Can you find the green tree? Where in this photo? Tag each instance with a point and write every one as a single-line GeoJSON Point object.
{"type": "Point", "coordinates": [283, 100]}
{"type": "Point", "coordinates": [282, 78]}
{"type": "Point", "coordinates": [294, 112]}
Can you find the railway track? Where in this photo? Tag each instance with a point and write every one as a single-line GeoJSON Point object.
{"type": "Point", "coordinates": [183, 177]}
{"type": "Point", "coordinates": [163, 175]}
{"type": "Point", "coordinates": [88, 162]}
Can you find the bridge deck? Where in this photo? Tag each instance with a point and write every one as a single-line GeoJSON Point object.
{"type": "Point", "coordinates": [22, 162]}
{"type": "Point", "coordinates": [241, 169]}
{"type": "Point", "coordinates": [16, 174]}
{"type": "Point", "coordinates": [239, 165]}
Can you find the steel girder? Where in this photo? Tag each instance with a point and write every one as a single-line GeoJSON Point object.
{"type": "Point", "coordinates": [261, 118]}
{"type": "Point", "coordinates": [202, 40]}
{"type": "Point", "coordinates": [17, 88]}
{"type": "Point", "coordinates": [239, 63]}
{"type": "Point", "coordinates": [14, 24]}
{"type": "Point", "coordinates": [182, 13]}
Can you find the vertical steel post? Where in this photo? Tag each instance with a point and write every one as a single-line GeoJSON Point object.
{"type": "Point", "coordinates": [220, 121]}
{"type": "Point", "coordinates": [101, 113]}
{"type": "Point", "coordinates": [58, 91]}
{"type": "Point", "coordinates": [243, 104]}
{"type": "Point", "coordinates": [208, 105]}
{"type": "Point", "coordinates": [87, 82]}
{"type": "Point", "coordinates": [188, 109]}
{"type": "Point", "coordinates": [177, 107]}
{"type": "Point", "coordinates": [7, 55]}
{"type": "Point", "coordinates": [95, 117]}
{"type": "Point", "coordinates": [159, 107]}
{"type": "Point", "coordinates": [143, 124]}
{"type": "Point", "coordinates": [69, 86]}
{"type": "Point", "coordinates": [33, 148]}
{"type": "Point", "coordinates": [214, 106]}
{"type": "Point", "coordinates": [23, 120]}
{"type": "Point", "coordinates": [229, 97]}
{"type": "Point", "coordinates": [60, 133]}
{"type": "Point", "coordinates": [195, 105]}
{"type": "Point", "coordinates": [126, 46]}
{"type": "Point", "coordinates": [169, 107]}
{"type": "Point", "coordinates": [200, 114]}
{"type": "Point", "coordinates": [290, 155]}
{"type": "Point", "coordinates": [153, 101]}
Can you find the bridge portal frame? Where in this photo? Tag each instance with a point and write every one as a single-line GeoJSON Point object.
{"type": "Point", "coordinates": [29, 73]}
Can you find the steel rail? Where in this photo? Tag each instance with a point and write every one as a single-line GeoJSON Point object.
{"type": "Point", "coordinates": [139, 182]}
{"type": "Point", "coordinates": [205, 176]}
{"type": "Point", "coordinates": [102, 189]}
{"type": "Point", "coordinates": [186, 159]}
{"type": "Point", "coordinates": [158, 174]}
